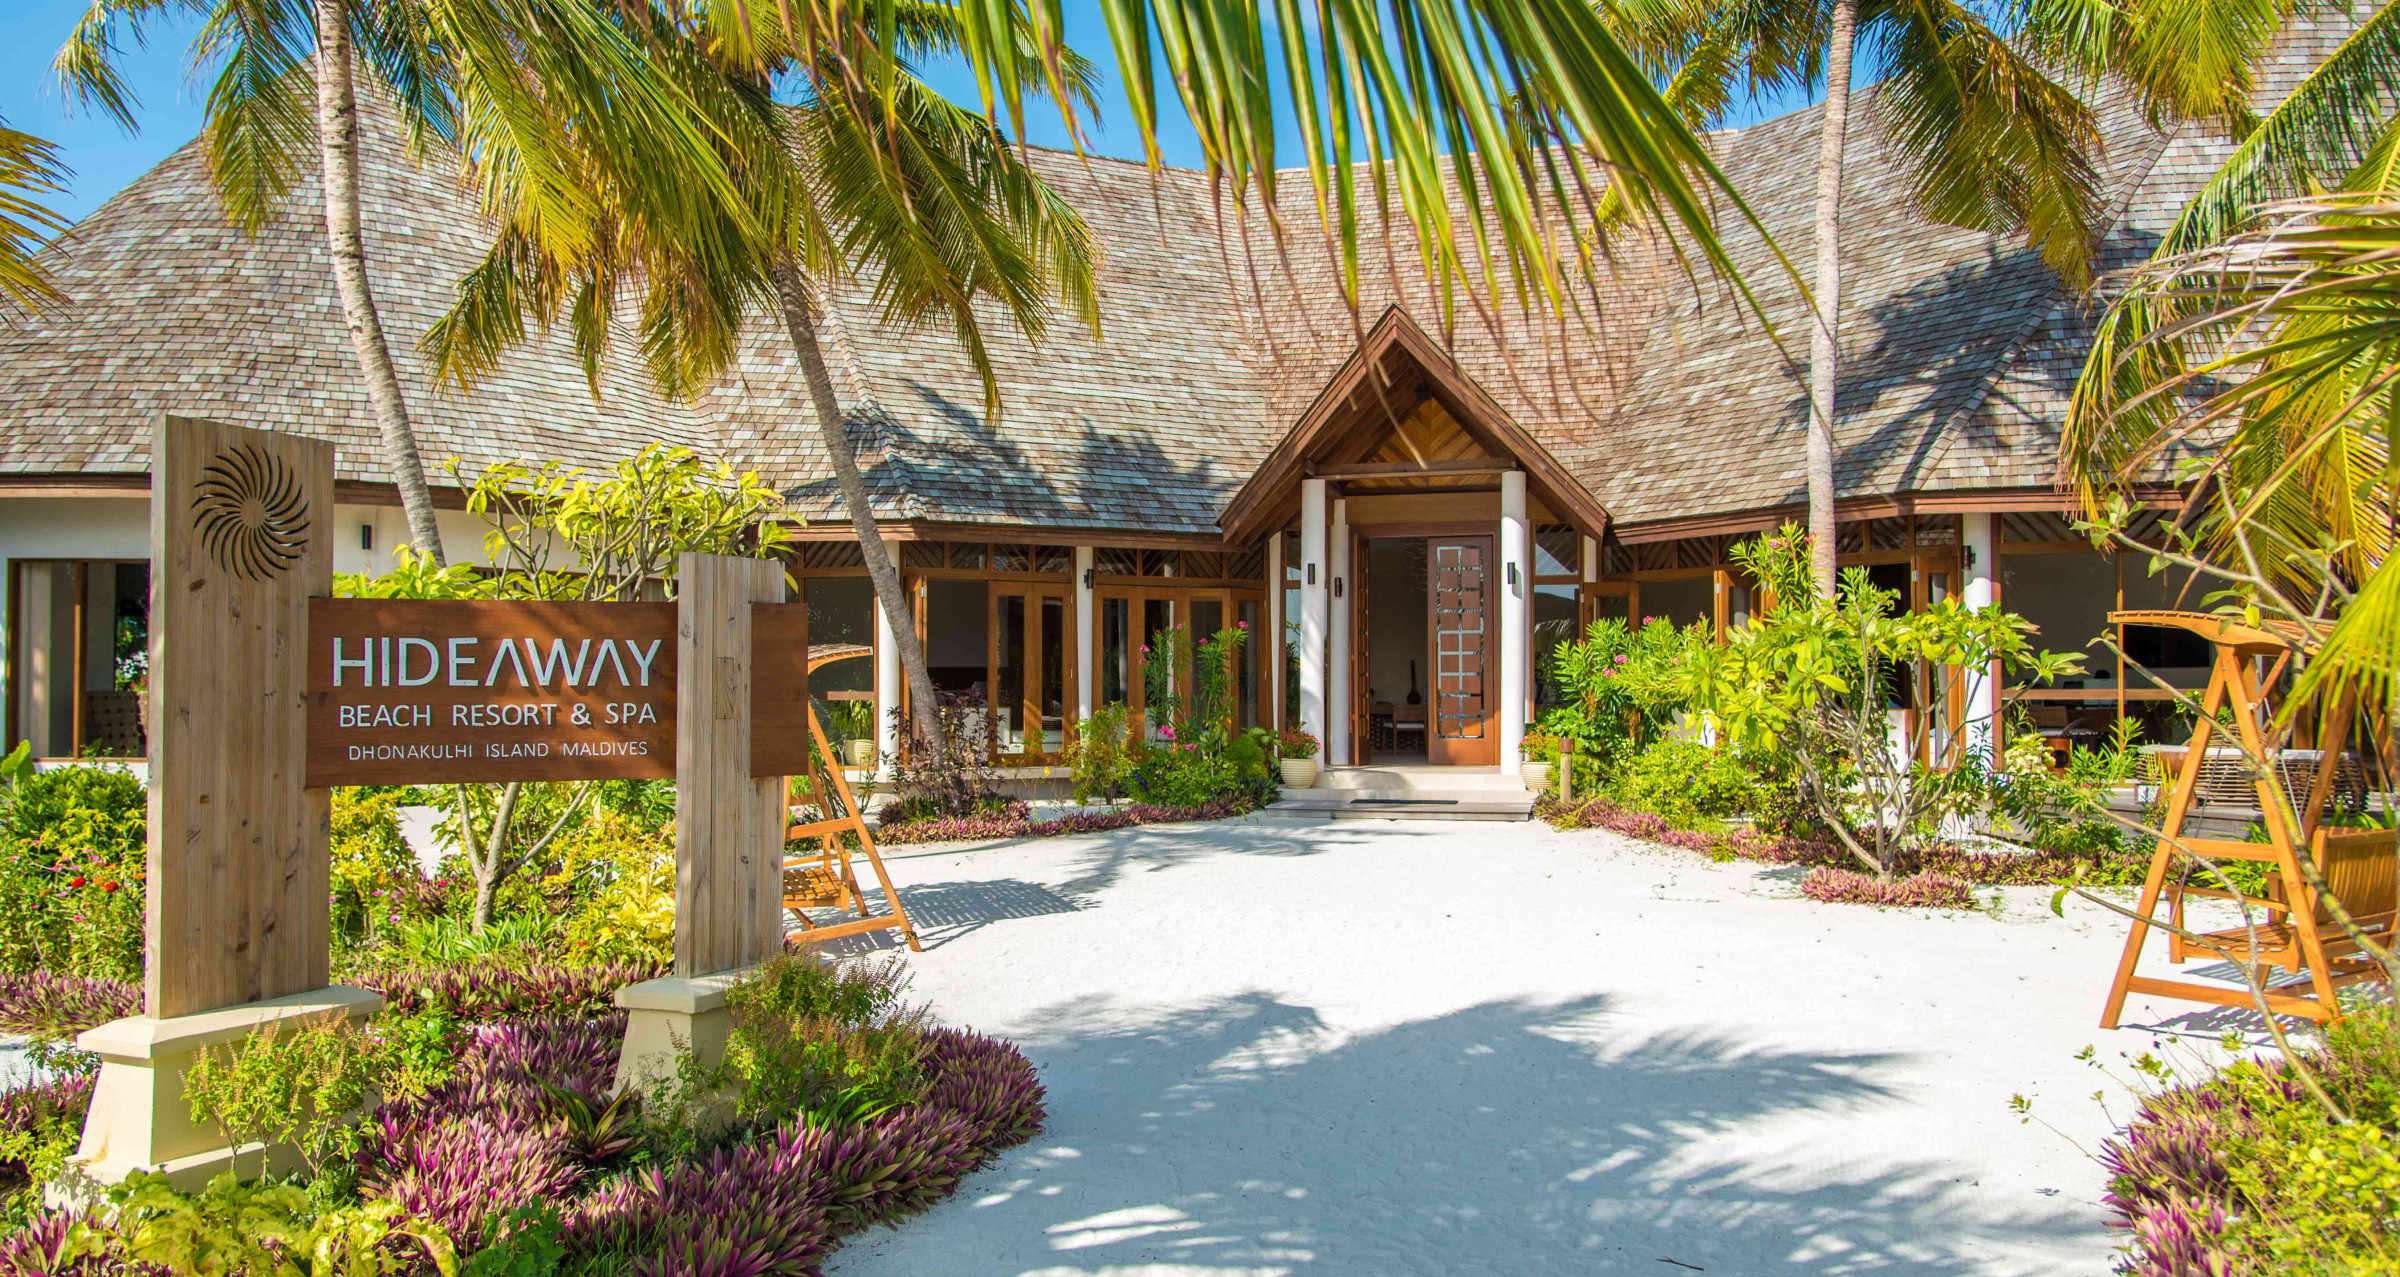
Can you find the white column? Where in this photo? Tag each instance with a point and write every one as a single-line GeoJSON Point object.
{"type": "Point", "coordinates": [887, 690]}
{"type": "Point", "coordinates": [1591, 559]}
{"type": "Point", "coordinates": [1086, 613]}
{"type": "Point", "coordinates": [1315, 586]}
{"type": "Point", "coordinates": [1273, 638]}
{"type": "Point", "coordinates": [1516, 631]}
{"type": "Point", "coordinates": [1979, 555]}
{"type": "Point", "coordinates": [1337, 676]}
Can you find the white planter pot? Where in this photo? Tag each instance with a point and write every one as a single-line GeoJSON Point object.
{"type": "Point", "coordinates": [1537, 775]}
{"type": "Point", "coordinates": [862, 752]}
{"type": "Point", "coordinates": [1299, 773]}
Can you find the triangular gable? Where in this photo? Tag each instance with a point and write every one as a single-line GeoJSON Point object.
{"type": "Point", "coordinates": [1398, 415]}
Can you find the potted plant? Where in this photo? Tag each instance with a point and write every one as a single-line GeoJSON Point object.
{"type": "Point", "coordinates": [1540, 753]}
{"type": "Point", "coordinates": [1296, 752]}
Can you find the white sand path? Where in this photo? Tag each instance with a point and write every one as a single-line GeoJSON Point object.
{"type": "Point", "coordinates": [1375, 1048]}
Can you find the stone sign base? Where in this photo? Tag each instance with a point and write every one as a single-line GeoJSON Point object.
{"type": "Point", "coordinates": [668, 1019]}
{"type": "Point", "coordinates": [139, 1120]}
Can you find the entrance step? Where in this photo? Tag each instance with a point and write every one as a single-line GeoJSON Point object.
{"type": "Point", "coordinates": [1416, 780]}
{"type": "Point", "coordinates": [1389, 804]}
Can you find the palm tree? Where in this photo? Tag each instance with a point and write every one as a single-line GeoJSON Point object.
{"type": "Point", "coordinates": [2261, 342]}
{"type": "Point", "coordinates": [29, 168]}
{"type": "Point", "coordinates": [888, 181]}
{"type": "Point", "coordinates": [1992, 140]}
{"type": "Point", "coordinates": [498, 83]}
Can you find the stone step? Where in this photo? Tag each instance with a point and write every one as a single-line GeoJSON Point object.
{"type": "Point", "coordinates": [1321, 804]}
{"type": "Point", "coordinates": [1417, 780]}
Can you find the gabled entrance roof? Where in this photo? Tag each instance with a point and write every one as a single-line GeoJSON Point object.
{"type": "Point", "coordinates": [1399, 415]}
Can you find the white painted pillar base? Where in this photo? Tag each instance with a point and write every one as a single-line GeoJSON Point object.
{"type": "Point", "coordinates": [1516, 629]}
{"type": "Point", "coordinates": [139, 1120]}
{"type": "Point", "coordinates": [1085, 614]}
{"type": "Point", "coordinates": [1315, 587]}
{"type": "Point", "coordinates": [887, 693]}
{"type": "Point", "coordinates": [1338, 683]}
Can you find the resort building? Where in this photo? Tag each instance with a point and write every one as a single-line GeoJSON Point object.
{"type": "Point", "coordinates": [1415, 505]}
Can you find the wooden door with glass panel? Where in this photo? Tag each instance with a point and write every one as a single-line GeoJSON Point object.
{"type": "Point", "coordinates": [1463, 627]}
{"type": "Point", "coordinates": [1032, 630]}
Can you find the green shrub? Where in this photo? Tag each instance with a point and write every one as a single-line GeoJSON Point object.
{"type": "Point", "coordinates": [1100, 757]}
{"type": "Point", "coordinates": [616, 878]}
{"type": "Point", "coordinates": [1183, 774]}
{"type": "Point", "coordinates": [1686, 782]}
{"type": "Point", "coordinates": [72, 863]}
{"type": "Point", "coordinates": [829, 1041]}
{"type": "Point", "coordinates": [369, 857]}
{"type": "Point", "coordinates": [301, 1084]}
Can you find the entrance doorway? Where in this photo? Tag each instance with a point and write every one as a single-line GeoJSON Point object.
{"type": "Point", "coordinates": [1425, 647]}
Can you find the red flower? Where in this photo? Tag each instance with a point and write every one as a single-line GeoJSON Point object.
{"type": "Point", "coordinates": [76, 881]}
{"type": "Point", "coordinates": [108, 886]}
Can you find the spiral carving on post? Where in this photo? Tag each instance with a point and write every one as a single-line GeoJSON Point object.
{"type": "Point", "coordinates": [251, 514]}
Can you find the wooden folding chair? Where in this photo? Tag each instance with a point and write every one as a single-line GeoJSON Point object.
{"type": "Point", "coordinates": [2293, 928]}
{"type": "Point", "coordinates": [828, 879]}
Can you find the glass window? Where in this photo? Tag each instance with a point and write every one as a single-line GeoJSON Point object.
{"type": "Point", "coordinates": [1555, 615]}
{"type": "Point", "coordinates": [1160, 562]}
{"type": "Point", "coordinates": [1108, 561]}
{"type": "Point", "coordinates": [1557, 550]}
{"type": "Point", "coordinates": [920, 554]}
{"type": "Point", "coordinates": [1054, 706]}
{"type": "Point", "coordinates": [1012, 558]}
{"type": "Point", "coordinates": [1057, 560]}
{"type": "Point", "coordinates": [1008, 668]}
{"type": "Point", "coordinates": [957, 647]}
{"type": "Point", "coordinates": [1157, 615]}
{"type": "Point", "coordinates": [1682, 600]}
{"type": "Point", "coordinates": [1246, 676]}
{"type": "Point", "coordinates": [82, 648]}
{"type": "Point", "coordinates": [967, 554]}
{"type": "Point", "coordinates": [1116, 668]}
{"type": "Point", "coordinates": [841, 610]}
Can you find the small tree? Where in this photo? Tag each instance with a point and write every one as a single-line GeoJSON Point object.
{"type": "Point", "coordinates": [559, 536]}
{"type": "Point", "coordinates": [1816, 678]}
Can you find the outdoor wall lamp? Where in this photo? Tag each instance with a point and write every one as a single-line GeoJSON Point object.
{"type": "Point", "coordinates": [1337, 587]}
{"type": "Point", "coordinates": [1512, 576]}
{"type": "Point", "coordinates": [1312, 574]}
{"type": "Point", "coordinates": [1967, 555]}
{"type": "Point", "coordinates": [1087, 578]}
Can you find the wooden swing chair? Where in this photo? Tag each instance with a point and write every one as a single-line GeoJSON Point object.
{"type": "Point", "coordinates": [2294, 928]}
{"type": "Point", "coordinates": [829, 878]}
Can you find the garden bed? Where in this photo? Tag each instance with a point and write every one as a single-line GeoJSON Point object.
{"type": "Point", "coordinates": [2244, 1174]}
{"type": "Point", "coordinates": [1014, 819]}
{"type": "Point", "coordinates": [1928, 869]}
{"type": "Point", "coordinates": [839, 1106]}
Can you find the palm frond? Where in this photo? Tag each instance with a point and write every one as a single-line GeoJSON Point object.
{"type": "Point", "coordinates": [2322, 130]}
{"type": "Point", "coordinates": [260, 129]}
{"type": "Point", "coordinates": [1996, 143]}
{"type": "Point", "coordinates": [29, 168]}
{"type": "Point", "coordinates": [85, 66]}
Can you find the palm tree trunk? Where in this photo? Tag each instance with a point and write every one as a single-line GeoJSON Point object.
{"type": "Point", "coordinates": [801, 323]}
{"type": "Point", "coordinates": [337, 147]}
{"type": "Point", "coordinates": [1824, 354]}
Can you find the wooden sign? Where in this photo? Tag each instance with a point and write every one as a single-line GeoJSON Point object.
{"type": "Point", "coordinates": [418, 691]}
{"type": "Point", "coordinates": [241, 525]}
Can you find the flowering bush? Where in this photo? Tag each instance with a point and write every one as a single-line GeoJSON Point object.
{"type": "Point", "coordinates": [71, 869]}
{"type": "Point", "coordinates": [41, 1005]}
{"type": "Point", "coordinates": [1922, 890]}
{"type": "Point", "coordinates": [487, 992]}
{"type": "Point", "coordinates": [2244, 1174]}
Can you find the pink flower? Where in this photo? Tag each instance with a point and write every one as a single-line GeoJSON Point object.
{"type": "Point", "coordinates": [1241, 625]}
{"type": "Point", "coordinates": [1145, 649]}
{"type": "Point", "coordinates": [1622, 658]}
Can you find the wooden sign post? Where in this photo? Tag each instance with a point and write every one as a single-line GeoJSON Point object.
{"type": "Point", "coordinates": [728, 822]}
{"type": "Point", "coordinates": [241, 528]}
{"type": "Point", "coordinates": [265, 693]}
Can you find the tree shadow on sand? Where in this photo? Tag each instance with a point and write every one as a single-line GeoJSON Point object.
{"type": "Point", "coordinates": [1246, 1135]}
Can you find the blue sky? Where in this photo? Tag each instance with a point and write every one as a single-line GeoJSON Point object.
{"type": "Point", "coordinates": [105, 158]}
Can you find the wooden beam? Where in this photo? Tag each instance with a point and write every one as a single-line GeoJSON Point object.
{"type": "Point", "coordinates": [1411, 469]}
